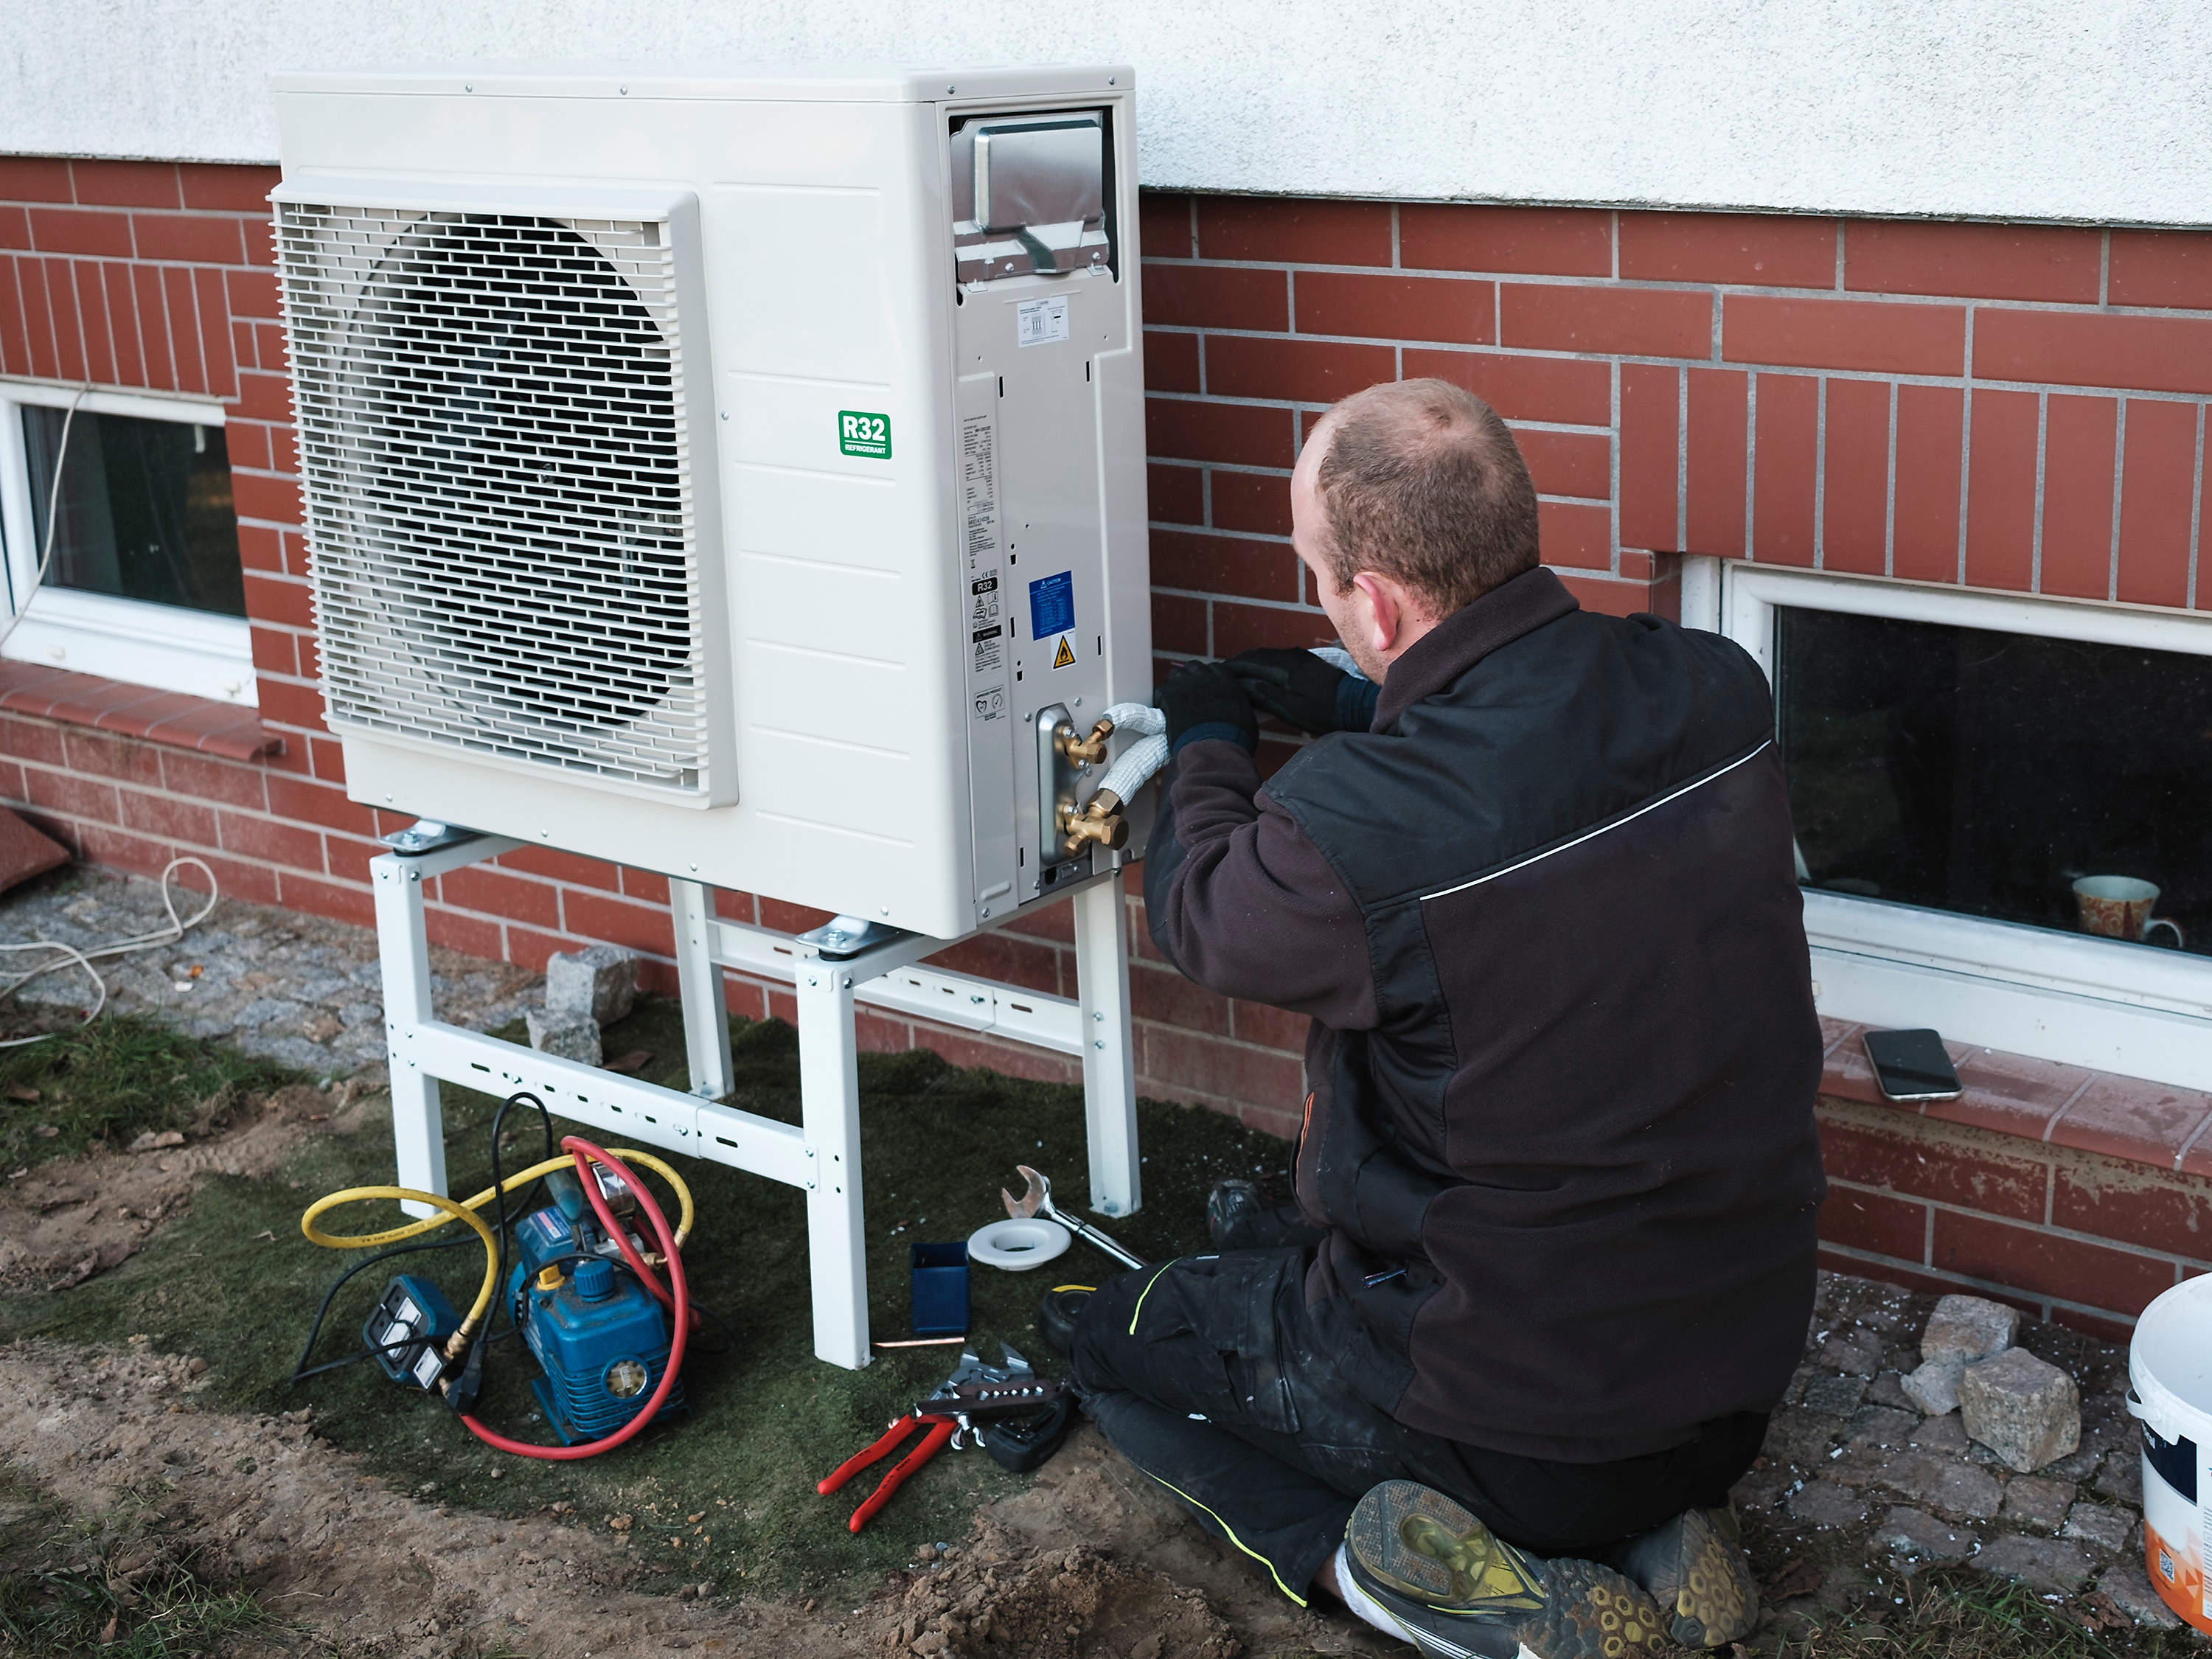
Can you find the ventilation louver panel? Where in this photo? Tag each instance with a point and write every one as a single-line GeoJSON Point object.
{"type": "Point", "coordinates": [490, 410]}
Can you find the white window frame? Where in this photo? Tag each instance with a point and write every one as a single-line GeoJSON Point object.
{"type": "Point", "coordinates": [2073, 998]}
{"type": "Point", "coordinates": [164, 646]}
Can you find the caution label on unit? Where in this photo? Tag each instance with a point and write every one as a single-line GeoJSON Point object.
{"type": "Point", "coordinates": [1052, 605]}
{"type": "Point", "coordinates": [991, 705]}
{"type": "Point", "coordinates": [979, 488]}
{"type": "Point", "coordinates": [1041, 322]}
{"type": "Point", "coordinates": [1064, 657]}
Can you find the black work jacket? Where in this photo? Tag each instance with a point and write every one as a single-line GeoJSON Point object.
{"type": "Point", "coordinates": [1563, 1053]}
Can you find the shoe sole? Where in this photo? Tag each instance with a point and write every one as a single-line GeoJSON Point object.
{"type": "Point", "coordinates": [1428, 1548]}
{"type": "Point", "coordinates": [1717, 1599]}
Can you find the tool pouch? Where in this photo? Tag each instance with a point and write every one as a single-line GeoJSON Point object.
{"type": "Point", "coordinates": [1022, 1444]}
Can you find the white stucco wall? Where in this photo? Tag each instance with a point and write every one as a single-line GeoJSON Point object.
{"type": "Point", "coordinates": [2027, 109]}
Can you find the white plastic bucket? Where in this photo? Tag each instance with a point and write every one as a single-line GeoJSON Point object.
{"type": "Point", "coordinates": [2170, 1389]}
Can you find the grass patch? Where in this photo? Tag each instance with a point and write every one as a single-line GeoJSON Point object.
{"type": "Point", "coordinates": [111, 1081]}
{"type": "Point", "coordinates": [770, 1420]}
{"type": "Point", "coordinates": [1953, 1612]}
{"type": "Point", "coordinates": [114, 1586]}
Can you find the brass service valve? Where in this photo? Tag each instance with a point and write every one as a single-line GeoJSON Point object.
{"type": "Point", "coordinates": [1089, 751]}
{"type": "Point", "coordinates": [1101, 821]}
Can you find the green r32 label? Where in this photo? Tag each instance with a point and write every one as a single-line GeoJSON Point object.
{"type": "Point", "coordinates": [868, 436]}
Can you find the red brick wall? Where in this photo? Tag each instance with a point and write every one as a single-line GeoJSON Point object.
{"type": "Point", "coordinates": [2005, 407]}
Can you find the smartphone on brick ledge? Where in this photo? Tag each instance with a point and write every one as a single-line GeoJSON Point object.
{"type": "Point", "coordinates": [1912, 1066]}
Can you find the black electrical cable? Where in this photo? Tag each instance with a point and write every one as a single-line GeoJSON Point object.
{"type": "Point", "coordinates": [301, 1372]}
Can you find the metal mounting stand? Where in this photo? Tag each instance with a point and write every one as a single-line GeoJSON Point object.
{"type": "Point", "coordinates": [823, 1155]}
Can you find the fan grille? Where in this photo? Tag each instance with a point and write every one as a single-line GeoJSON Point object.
{"type": "Point", "coordinates": [499, 504]}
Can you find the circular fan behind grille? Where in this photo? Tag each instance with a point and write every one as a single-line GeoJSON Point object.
{"type": "Point", "coordinates": [517, 425]}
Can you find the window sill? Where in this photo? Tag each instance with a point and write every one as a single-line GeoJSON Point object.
{"type": "Point", "coordinates": [2071, 1106]}
{"type": "Point", "coordinates": [173, 718]}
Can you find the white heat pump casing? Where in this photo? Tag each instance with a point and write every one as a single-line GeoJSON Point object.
{"type": "Point", "coordinates": [790, 693]}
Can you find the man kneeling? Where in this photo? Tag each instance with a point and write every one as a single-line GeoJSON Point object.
{"type": "Point", "coordinates": [1550, 1266]}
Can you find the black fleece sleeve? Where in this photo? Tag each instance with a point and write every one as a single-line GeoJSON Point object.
{"type": "Point", "coordinates": [1240, 900]}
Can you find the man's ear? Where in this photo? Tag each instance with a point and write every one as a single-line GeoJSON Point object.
{"type": "Point", "coordinates": [1385, 613]}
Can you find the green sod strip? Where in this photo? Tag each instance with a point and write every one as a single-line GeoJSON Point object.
{"type": "Point", "coordinates": [769, 1418]}
{"type": "Point", "coordinates": [112, 1081]}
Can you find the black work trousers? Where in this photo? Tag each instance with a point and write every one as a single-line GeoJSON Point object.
{"type": "Point", "coordinates": [1204, 1374]}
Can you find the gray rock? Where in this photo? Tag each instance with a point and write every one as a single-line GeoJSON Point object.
{"type": "Point", "coordinates": [1837, 1396]}
{"type": "Point", "coordinates": [2121, 1479]}
{"type": "Point", "coordinates": [2081, 1466]}
{"type": "Point", "coordinates": [1942, 1434]}
{"type": "Point", "coordinates": [2130, 1590]}
{"type": "Point", "coordinates": [598, 982]}
{"type": "Point", "coordinates": [2037, 1503]}
{"type": "Point", "coordinates": [2108, 1528]}
{"type": "Point", "coordinates": [1887, 1390]}
{"type": "Point", "coordinates": [1799, 1438]}
{"type": "Point", "coordinates": [1942, 1483]}
{"type": "Point", "coordinates": [1933, 1385]}
{"type": "Point", "coordinates": [1915, 1531]}
{"type": "Point", "coordinates": [1968, 1328]}
{"type": "Point", "coordinates": [2024, 1409]}
{"type": "Point", "coordinates": [1856, 1352]}
{"type": "Point", "coordinates": [563, 1035]}
{"type": "Point", "coordinates": [1824, 1503]}
{"type": "Point", "coordinates": [2048, 1564]}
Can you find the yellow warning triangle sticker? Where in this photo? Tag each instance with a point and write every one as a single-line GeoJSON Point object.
{"type": "Point", "coordinates": [1063, 657]}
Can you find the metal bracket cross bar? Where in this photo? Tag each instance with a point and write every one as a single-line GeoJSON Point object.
{"type": "Point", "coordinates": [822, 1156]}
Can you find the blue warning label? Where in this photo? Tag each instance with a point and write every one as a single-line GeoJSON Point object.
{"type": "Point", "coordinates": [1052, 605]}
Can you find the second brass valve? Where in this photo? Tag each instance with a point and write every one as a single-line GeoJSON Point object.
{"type": "Point", "coordinates": [1101, 821]}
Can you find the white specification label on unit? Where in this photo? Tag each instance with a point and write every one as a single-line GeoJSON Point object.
{"type": "Point", "coordinates": [1041, 322]}
{"type": "Point", "coordinates": [979, 488]}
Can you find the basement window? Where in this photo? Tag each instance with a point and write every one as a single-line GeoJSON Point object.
{"type": "Point", "coordinates": [2060, 783]}
{"type": "Point", "coordinates": [2001, 811]}
{"type": "Point", "coordinates": [145, 584]}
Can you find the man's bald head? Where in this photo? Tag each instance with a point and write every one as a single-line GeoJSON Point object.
{"type": "Point", "coordinates": [1422, 482]}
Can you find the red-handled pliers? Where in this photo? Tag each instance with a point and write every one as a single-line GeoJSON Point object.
{"type": "Point", "coordinates": [940, 1431]}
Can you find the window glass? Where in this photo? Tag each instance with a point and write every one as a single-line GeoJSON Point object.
{"type": "Point", "coordinates": [2048, 781]}
{"type": "Point", "coordinates": [145, 510]}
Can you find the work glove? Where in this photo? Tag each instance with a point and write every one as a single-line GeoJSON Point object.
{"type": "Point", "coordinates": [1306, 690]}
{"type": "Point", "coordinates": [1204, 700]}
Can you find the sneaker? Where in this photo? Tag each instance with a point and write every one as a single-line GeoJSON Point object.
{"type": "Point", "coordinates": [1694, 1566]}
{"type": "Point", "coordinates": [1458, 1590]}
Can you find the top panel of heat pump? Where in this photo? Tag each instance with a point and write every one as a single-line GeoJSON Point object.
{"type": "Point", "coordinates": [724, 473]}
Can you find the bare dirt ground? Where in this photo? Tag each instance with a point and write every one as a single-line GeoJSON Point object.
{"type": "Point", "coordinates": [1090, 1558]}
{"type": "Point", "coordinates": [72, 1219]}
{"type": "Point", "coordinates": [371, 1572]}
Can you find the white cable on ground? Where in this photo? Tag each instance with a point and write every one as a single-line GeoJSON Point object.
{"type": "Point", "coordinates": [54, 518]}
{"type": "Point", "coordinates": [70, 957]}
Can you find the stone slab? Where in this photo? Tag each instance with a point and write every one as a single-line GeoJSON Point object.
{"type": "Point", "coordinates": [2128, 1588]}
{"type": "Point", "coordinates": [1915, 1531]}
{"type": "Point", "coordinates": [2106, 1526]}
{"type": "Point", "coordinates": [1942, 1484]}
{"type": "Point", "coordinates": [2034, 1502]}
{"type": "Point", "coordinates": [1834, 1397]}
{"type": "Point", "coordinates": [1824, 1503]}
{"type": "Point", "coordinates": [2048, 1564]}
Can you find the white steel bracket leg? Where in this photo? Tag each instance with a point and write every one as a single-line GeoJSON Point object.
{"type": "Point", "coordinates": [829, 1117]}
{"type": "Point", "coordinates": [1110, 1070]}
{"type": "Point", "coordinates": [706, 1019]}
{"type": "Point", "coordinates": [418, 1121]}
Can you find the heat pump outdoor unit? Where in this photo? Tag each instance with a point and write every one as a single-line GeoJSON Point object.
{"type": "Point", "coordinates": [734, 475]}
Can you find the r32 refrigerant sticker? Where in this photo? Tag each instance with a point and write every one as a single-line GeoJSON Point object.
{"type": "Point", "coordinates": [986, 650]}
{"type": "Point", "coordinates": [868, 436]}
